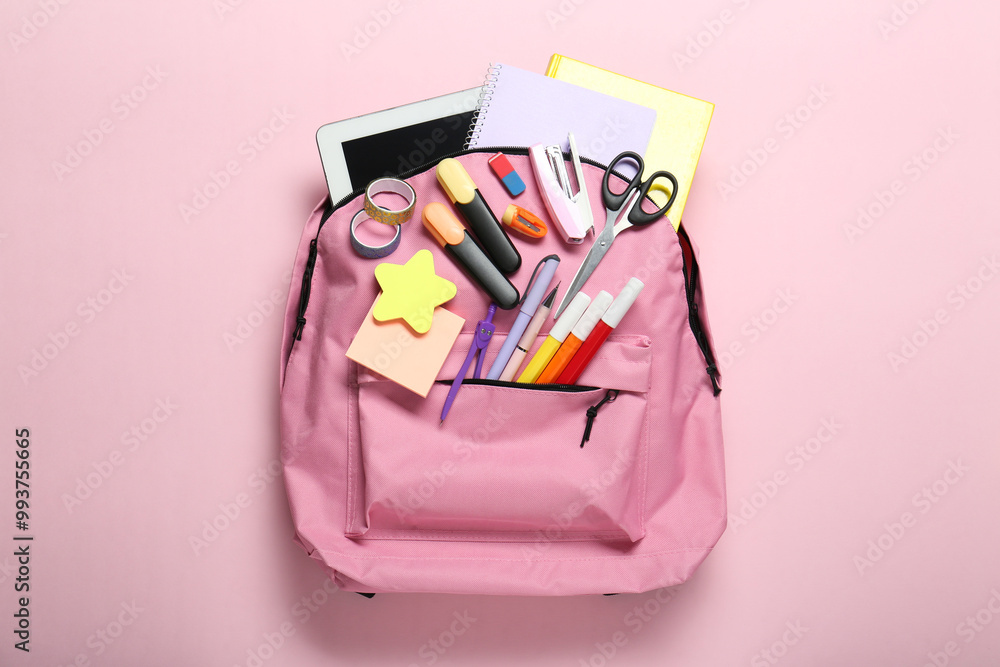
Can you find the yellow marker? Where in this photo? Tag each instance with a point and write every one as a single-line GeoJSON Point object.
{"type": "Point", "coordinates": [556, 336]}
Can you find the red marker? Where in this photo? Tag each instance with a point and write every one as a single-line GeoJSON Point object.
{"type": "Point", "coordinates": [614, 314]}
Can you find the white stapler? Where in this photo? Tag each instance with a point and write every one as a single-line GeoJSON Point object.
{"type": "Point", "coordinates": [570, 212]}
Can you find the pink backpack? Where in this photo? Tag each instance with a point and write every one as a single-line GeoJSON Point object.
{"type": "Point", "coordinates": [501, 498]}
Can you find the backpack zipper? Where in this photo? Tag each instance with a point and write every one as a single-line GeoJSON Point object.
{"type": "Point", "coordinates": [609, 396]}
{"type": "Point", "coordinates": [307, 273]}
{"type": "Point", "coordinates": [694, 320]}
{"type": "Point", "coordinates": [567, 388]}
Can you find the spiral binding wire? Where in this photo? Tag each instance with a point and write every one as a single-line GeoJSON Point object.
{"type": "Point", "coordinates": [483, 104]}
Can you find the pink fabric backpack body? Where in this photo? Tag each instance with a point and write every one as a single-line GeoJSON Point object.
{"type": "Point", "coordinates": [501, 498]}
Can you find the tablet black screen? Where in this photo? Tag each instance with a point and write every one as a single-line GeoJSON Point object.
{"type": "Point", "coordinates": [393, 152]}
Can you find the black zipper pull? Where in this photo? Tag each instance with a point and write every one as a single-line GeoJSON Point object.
{"type": "Point", "coordinates": [592, 413]}
{"type": "Point", "coordinates": [702, 339]}
{"type": "Point", "coordinates": [713, 374]}
{"type": "Point", "coordinates": [307, 273]}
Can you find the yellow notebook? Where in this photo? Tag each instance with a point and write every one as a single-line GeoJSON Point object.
{"type": "Point", "coordinates": [679, 131]}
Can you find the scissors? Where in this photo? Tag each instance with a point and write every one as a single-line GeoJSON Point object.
{"type": "Point", "coordinates": [628, 206]}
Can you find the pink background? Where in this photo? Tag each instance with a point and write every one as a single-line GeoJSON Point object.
{"type": "Point", "coordinates": [786, 578]}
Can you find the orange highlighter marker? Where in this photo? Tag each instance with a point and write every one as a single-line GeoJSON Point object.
{"type": "Point", "coordinates": [576, 337]}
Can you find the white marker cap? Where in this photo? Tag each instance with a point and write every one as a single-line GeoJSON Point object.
{"type": "Point", "coordinates": [623, 302]}
{"type": "Point", "coordinates": [593, 315]}
{"type": "Point", "coordinates": [570, 316]}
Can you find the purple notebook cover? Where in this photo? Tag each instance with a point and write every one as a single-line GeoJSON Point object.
{"type": "Point", "coordinates": [526, 108]}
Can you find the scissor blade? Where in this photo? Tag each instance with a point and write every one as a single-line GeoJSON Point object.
{"type": "Point", "coordinates": [590, 262]}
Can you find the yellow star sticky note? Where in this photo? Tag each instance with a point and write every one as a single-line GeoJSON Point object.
{"type": "Point", "coordinates": [411, 291]}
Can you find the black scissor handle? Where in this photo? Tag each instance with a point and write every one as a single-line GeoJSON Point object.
{"type": "Point", "coordinates": [639, 217]}
{"type": "Point", "coordinates": [612, 200]}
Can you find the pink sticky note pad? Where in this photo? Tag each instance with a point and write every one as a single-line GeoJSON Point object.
{"type": "Point", "coordinates": [394, 351]}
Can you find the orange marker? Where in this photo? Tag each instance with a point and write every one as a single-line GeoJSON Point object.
{"type": "Point", "coordinates": [576, 337]}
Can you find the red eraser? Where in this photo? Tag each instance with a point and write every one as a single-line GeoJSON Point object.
{"type": "Point", "coordinates": [505, 172]}
{"type": "Point", "coordinates": [501, 165]}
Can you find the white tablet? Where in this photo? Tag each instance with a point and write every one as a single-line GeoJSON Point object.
{"type": "Point", "coordinates": [358, 150]}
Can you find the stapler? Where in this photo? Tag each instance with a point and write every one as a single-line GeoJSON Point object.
{"type": "Point", "coordinates": [570, 212]}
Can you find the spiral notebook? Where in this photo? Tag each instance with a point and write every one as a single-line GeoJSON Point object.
{"type": "Point", "coordinates": [521, 108]}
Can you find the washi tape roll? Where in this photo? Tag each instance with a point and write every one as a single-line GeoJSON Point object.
{"type": "Point", "coordinates": [385, 215]}
{"type": "Point", "coordinates": [365, 250]}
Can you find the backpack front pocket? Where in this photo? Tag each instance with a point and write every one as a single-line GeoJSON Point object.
{"type": "Point", "coordinates": [510, 463]}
